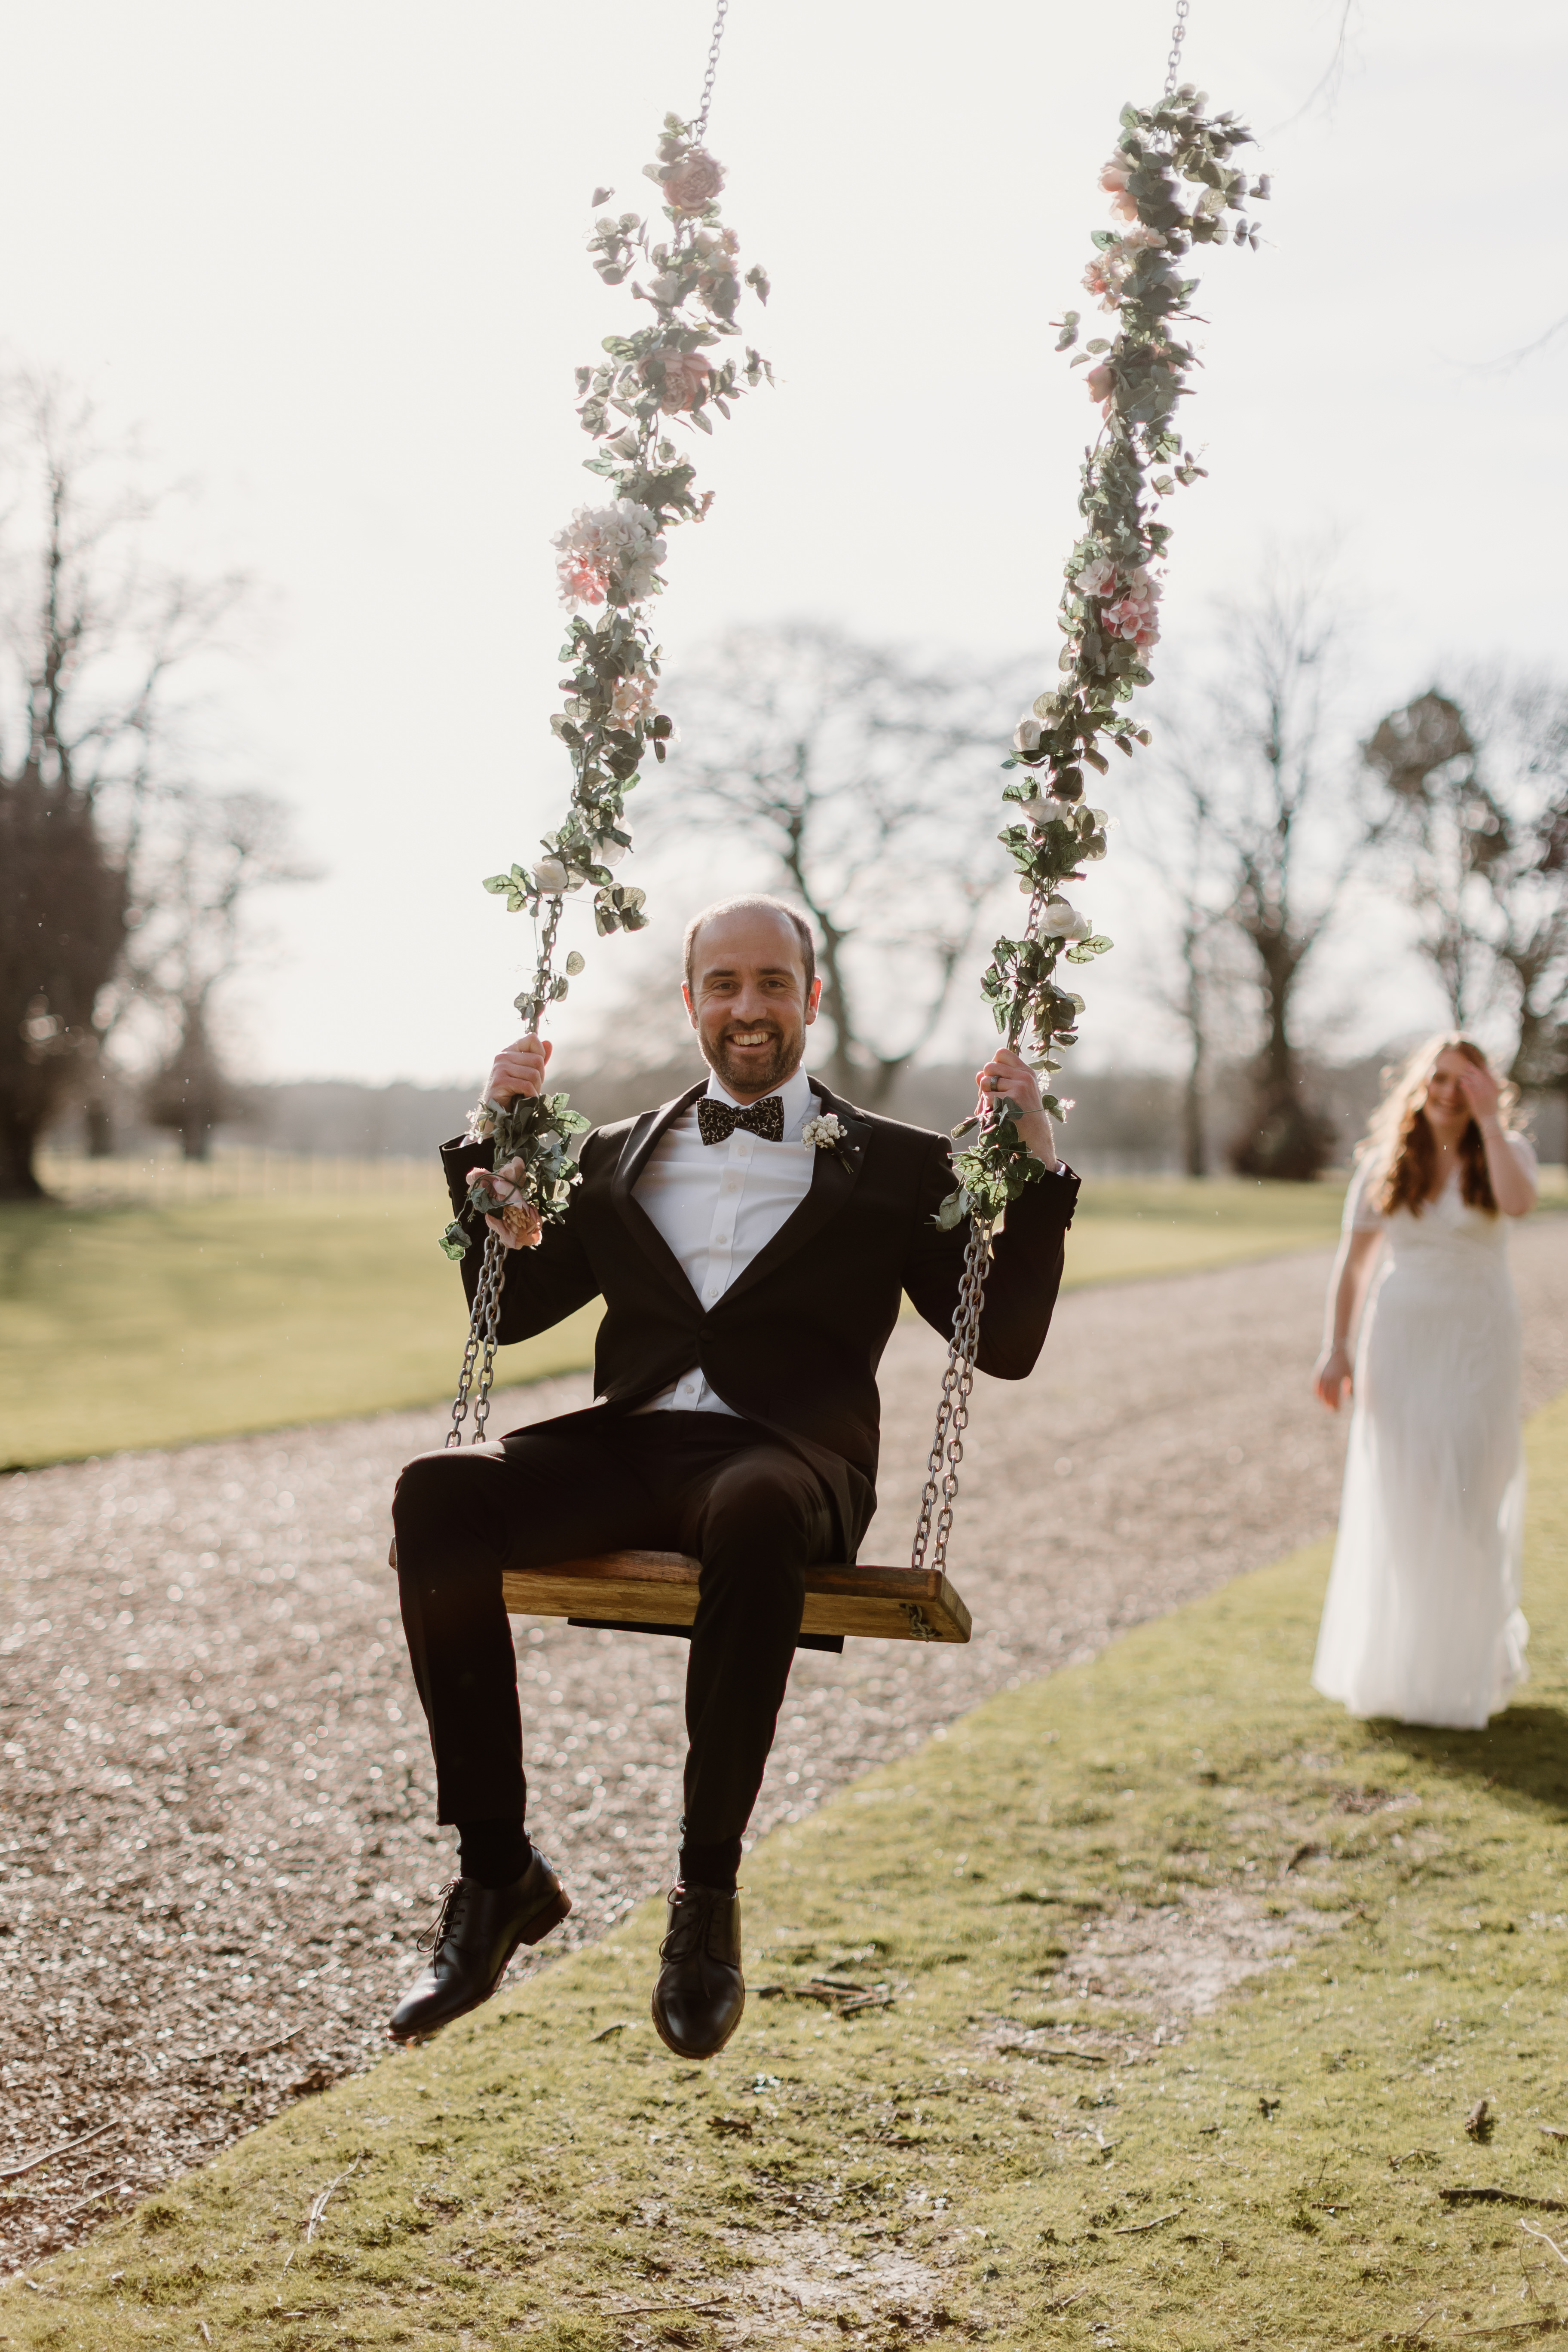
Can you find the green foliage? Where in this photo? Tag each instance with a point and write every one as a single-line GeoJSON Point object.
{"type": "Point", "coordinates": [531, 1144]}
{"type": "Point", "coordinates": [1108, 613]}
{"type": "Point", "coordinates": [668, 368]}
{"type": "Point", "coordinates": [1066, 2118]}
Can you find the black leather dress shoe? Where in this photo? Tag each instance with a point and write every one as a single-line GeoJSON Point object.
{"type": "Point", "coordinates": [470, 1944]}
{"type": "Point", "coordinates": [700, 1992]}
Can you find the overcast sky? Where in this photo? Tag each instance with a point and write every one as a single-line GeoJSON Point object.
{"type": "Point", "coordinates": [328, 257]}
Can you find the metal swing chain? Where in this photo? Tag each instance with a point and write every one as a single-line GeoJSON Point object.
{"type": "Point", "coordinates": [1178, 35]}
{"type": "Point", "coordinates": [940, 1491]}
{"type": "Point", "coordinates": [484, 1321]}
{"type": "Point", "coordinates": [699, 127]}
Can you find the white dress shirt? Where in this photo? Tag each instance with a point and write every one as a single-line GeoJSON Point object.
{"type": "Point", "coordinates": [717, 1204]}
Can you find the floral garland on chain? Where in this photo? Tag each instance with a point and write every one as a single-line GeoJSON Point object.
{"type": "Point", "coordinates": [610, 556]}
{"type": "Point", "coordinates": [1109, 606]}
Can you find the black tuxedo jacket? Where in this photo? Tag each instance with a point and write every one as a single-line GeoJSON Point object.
{"type": "Point", "coordinates": [795, 1340]}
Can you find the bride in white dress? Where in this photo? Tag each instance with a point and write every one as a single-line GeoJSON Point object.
{"type": "Point", "coordinates": [1422, 1620]}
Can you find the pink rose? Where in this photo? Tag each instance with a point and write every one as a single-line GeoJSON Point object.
{"type": "Point", "coordinates": [1099, 382]}
{"type": "Point", "coordinates": [513, 1218]}
{"type": "Point", "coordinates": [1123, 207]}
{"type": "Point", "coordinates": [691, 186]}
{"type": "Point", "coordinates": [581, 581]}
{"type": "Point", "coordinates": [1116, 172]}
{"type": "Point", "coordinates": [684, 379]}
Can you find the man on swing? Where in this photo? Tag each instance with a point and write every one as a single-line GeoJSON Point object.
{"type": "Point", "coordinates": [752, 1241]}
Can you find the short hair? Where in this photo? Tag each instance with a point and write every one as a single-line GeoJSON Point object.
{"type": "Point", "coordinates": [796, 920]}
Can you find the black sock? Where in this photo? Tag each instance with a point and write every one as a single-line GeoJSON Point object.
{"type": "Point", "coordinates": [495, 1853]}
{"type": "Point", "coordinates": [711, 1865]}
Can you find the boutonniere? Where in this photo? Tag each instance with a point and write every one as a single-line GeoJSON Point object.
{"type": "Point", "coordinates": [826, 1133]}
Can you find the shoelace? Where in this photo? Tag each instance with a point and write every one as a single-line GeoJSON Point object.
{"type": "Point", "coordinates": [688, 1933]}
{"type": "Point", "coordinates": [445, 1919]}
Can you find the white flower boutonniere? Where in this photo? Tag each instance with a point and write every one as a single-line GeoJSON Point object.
{"type": "Point", "coordinates": [827, 1132]}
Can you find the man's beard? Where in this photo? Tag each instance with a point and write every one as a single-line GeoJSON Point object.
{"type": "Point", "coordinates": [757, 1074]}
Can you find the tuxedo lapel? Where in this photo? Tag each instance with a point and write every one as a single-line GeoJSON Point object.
{"type": "Point", "coordinates": [634, 1158]}
{"type": "Point", "coordinates": [835, 1173]}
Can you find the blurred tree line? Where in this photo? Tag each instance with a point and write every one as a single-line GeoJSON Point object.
{"type": "Point", "coordinates": [860, 783]}
{"type": "Point", "coordinates": [1274, 834]}
{"type": "Point", "coordinates": [126, 886]}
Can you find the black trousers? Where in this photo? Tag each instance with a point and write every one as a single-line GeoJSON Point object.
{"type": "Point", "coordinates": [723, 1490]}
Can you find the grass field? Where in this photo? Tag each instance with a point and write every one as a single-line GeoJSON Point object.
{"type": "Point", "coordinates": [130, 1321]}
{"type": "Point", "coordinates": [1011, 2140]}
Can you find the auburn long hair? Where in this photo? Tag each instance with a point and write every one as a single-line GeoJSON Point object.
{"type": "Point", "coordinates": [1402, 1138]}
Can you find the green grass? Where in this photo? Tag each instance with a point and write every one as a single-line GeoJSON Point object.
{"type": "Point", "coordinates": [130, 1322]}
{"type": "Point", "coordinates": [1272, 2174]}
{"type": "Point", "coordinates": [139, 1325]}
{"type": "Point", "coordinates": [1131, 1226]}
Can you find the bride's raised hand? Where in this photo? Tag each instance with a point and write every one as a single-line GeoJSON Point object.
{"type": "Point", "coordinates": [1481, 1091]}
{"type": "Point", "coordinates": [1332, 1379]}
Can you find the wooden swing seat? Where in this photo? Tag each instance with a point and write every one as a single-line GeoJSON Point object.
{"type": "Point", "coordinates": [633, 1590]}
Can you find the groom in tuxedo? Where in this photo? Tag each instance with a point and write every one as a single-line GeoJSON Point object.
{"type": "Point", "coordinates": [751, 1242]}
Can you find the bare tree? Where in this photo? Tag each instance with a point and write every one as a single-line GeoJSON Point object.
{"type": "Point", "coordinates": [865, 787]}
{"type": "Point", "coordinates": [1478, 823]}
{"type": "Point", "coordinates": [1192, 974]}
{"type": "Point", "coordinates": [1257, 751]}
{"type": "Point", "coordinates": [214, 854]}
{"type": "Point", "coordinates": [89, 641]}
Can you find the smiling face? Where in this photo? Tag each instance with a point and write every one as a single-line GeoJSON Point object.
{"type": "Point", "coordinates": [1446, 1105]}
{"type": "Point", "coordinates": [749, 999]}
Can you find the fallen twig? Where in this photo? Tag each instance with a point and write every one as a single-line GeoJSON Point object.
{"type": "Point", "coordinates": [320, 2203]}
{"type": "Point", "coordinates": [1530, 2229]}
{"type": "Point", "coordinates": [635, 2310]}
{"type": "Point", "coordinates": [1136, 2229]}
{"type": "Point", "coordinates": [1547, 2325]}
{"type": "Point", "coordinates": [15, 2172]}
{"type": "Point", "coordinates": [1502, 2197]}
{"type": "Point", "coordinates": [605, 2032]}
{"type": "Point", "coordinates": [846, 1999]}
{"type": "Point", "coordinates": [1055, 2057]}
{"type": "Point", "coordinates": [1077, 2296]}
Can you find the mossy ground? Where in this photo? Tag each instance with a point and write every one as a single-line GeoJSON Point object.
{"type": "Point", "coordinates": [1035, 2141]}
{"type": "Point", "coordinates": [126, 1322]}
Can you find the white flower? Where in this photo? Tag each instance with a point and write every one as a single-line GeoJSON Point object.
{"type": "Point", "coordinates": [1026, 734]}
{"type": "Point", "coordinates": [632, 699]}
{"type": "Point", "coordinates": [609, 852]}
{"type": "Point", "coordinates": [550, 876]}
{"type": "Point", "coordinates": [609, 552]}
{"type": "Point", "coordinates": [824, 1133]}
{"type": "Point", "coordinates": [1061, 921]}
{"type": "Point", "coordinates": [1098, 577]}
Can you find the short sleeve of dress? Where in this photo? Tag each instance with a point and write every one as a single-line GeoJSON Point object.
{"type": "Point", "coordinates": [1361, 1213]}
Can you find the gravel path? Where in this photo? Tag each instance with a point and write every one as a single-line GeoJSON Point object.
{"type": "Point", "coordinates": [217, 1847]}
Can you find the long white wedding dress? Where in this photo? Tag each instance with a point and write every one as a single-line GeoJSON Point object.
{"type": "Point", "coordinates": [1422, 1621]}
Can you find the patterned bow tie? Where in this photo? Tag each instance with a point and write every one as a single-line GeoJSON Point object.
{"type": "Point", "coordinates": [717, 1121]}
